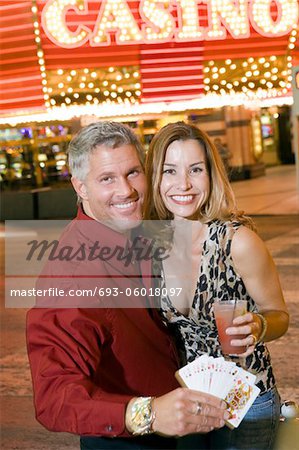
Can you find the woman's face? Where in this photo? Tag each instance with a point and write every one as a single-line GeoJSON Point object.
{"type": "Point", "coordinates": [185, 183]}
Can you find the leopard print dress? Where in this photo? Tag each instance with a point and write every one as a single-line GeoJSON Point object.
{"type": "Point", "coordinates": [196, 334]}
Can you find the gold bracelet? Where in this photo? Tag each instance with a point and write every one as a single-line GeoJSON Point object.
{"type": "Point", "coordinates": [264, 326]}
{"type": "Point", "coordinates": [142, 416]}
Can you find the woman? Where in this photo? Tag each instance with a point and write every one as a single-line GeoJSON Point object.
{"type": "Point", "coordinates": [188, 185]}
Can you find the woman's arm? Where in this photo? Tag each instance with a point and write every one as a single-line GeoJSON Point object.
{"type": "Point", "coordinates": [256, 267]}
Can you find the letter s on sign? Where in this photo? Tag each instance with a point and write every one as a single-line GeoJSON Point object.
{"type": "Point", "coordinates": [54, 24]}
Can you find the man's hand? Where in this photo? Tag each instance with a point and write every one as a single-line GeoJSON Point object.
{"type": "Point", "coordinates": [184, 411]}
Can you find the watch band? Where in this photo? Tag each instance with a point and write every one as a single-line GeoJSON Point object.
{"type": "Point", "coordinates": [264, 326]}
{"type": "Point", "coordinates": [142, 416]}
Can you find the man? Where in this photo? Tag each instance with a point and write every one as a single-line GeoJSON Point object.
{"type": "Point", "coordinates": [104, 367]}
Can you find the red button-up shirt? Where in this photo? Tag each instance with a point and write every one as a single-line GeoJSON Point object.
{"type": "Point", "coordinates": [88, 362]}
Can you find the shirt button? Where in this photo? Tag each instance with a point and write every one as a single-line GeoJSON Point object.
{"type": "Point", "coordinates": [109, 428]}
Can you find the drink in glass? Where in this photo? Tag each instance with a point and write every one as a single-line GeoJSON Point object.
{"type": "Point", "coordinates": [225, 312]}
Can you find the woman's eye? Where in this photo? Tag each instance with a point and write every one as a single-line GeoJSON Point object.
{"type": "Point", "coordinates": [168, 171]}
{"type": "Point", "coordinates": [197, 170]}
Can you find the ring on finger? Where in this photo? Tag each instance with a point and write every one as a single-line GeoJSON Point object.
{"type": "Point", "coordinates": [198, 408]}
{"type": "Point", "coordinates": [254, 339]}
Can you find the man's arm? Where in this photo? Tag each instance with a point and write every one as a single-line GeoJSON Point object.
{"type": "Point", "coordinates": [64, 353]}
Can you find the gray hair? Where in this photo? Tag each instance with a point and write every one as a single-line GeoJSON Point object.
{"type": "Point", "coordinates": [109, 134]}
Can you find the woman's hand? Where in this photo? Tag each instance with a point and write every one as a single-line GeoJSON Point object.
{"type": "Point", "coordinates": [250, 325]}
{"type": "Point", "coordinates": [184, 411]}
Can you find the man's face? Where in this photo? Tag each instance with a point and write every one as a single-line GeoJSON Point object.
{"type": "Point", "coordinates": [114, 188]}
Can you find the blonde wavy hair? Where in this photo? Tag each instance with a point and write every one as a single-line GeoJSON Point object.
{"type": "Point", "coordinates": [221, 202]}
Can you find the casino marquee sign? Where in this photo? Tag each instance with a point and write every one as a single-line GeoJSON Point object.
{"type": "Point", "coordinates": [120, 54]}
{"type": "Point", "coordinates": [164, 20]}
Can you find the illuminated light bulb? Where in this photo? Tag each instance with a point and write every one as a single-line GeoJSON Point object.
{"type": "Point", "coordinates": [206, 88]}
{"type": "Point", "coordinates": [223, 82]}
{"type": "Point", "coordinates": [46, 97]}
{"type": "Point", "coordinates": [254, 66]}
{"type": "Point", "coordinates": [233, 66]}
{"type": "Point", "coordinates": [90, 85]}
{"type": "Point", "coordinates": [105, 83]}
{"type": "Point", "coordinates": [45, 89]}
{"type": "Point", "coordinates": [211, 63]}
{"type": "Point", "coordinates": [138, 93]}
{"type": "Point", "coordinates": [267, 64]}
{"type": "Point", "coordinates": [236, 83]}
{"type": "Point", "coordinates": [250, 60]}
{"type": "Point", "coordinates": [89, 97]}
{"type": "Point", "coordinates": [82, 85]}
{"type": "Point", "coordinates": [291, 46]}
{"type": "Point", "coordinates": [128, 94]}
{"type": "Point", "coordinates": [44, 82]}
{"type": "Point", "coordinates": [262, 60]}
{"type": "Point", "coordinates": [67, 100]}
{"type": "Point", "coordinates": [113, 86]}
{"type": "Point", "coordinates": [248, 73]}
{"type": "Point", "coordinates": [83, 78]}
{"type": "Point", "coordinates": [244, 79]}
{"type": "Point", "coordinates": [206, 80]}
{"type": "Point", "coordinates": [34, 9]}
{"type": "Point", "coordinates": [93, 74]}
{"type": "Point", "coordinates": [215, 69]}
{"type": "Point", "coordinates": [52, 101]}
{"type": "Point", "coordinates": [282, 83]}
{"type": "Point", "coordinates": [96, 101]}
{"type": "Point", "coordinates": [69, 78]}
{"type": "Point", "coordinates": [245, 64]}
{"type": "Point", "coordinates": [127, 75]}
{"type": "Point", "coordinates": [62, 94]}
{"type": "Point", "coordinates": [267, 74]}
{"type": "Point", "coordinates": [215, 76]}
{"type": "Point", "coordinates": [137, 85]}
{"type": "Point", "coordinates": [229, 86]}
{"type": "Point", "coordinates": [120, 90]}
{"type": "Point", "coordinates": [222, 70]}
{"type": "Point", "coordinates": [37, 40]}
{"type": "Point", "coordinates": [97, 90]}
{"type": "Point", "coordinates": [269, 84]}
{"type": "Point", "coordinates": [113, 94]}
{"type": "Point", "coordinates": [111, 69]}
{"type": "Point", "coordinates": [40, 54]}
{"type": "Point", "coordinates": [73, 73]}
{"type": "Point", "coordinates": [76, 95]}
{"type": "Point", "coordinates": [136, 74]}
{"type": "Point", "coordinates": [251, 85]}
{"type": "Point", "coordinates": [206, 69]}
{"type": "Point", "coordinates": [47, 104]}
{"type": "Point", "coordinates": [86, 70]}
{"type": "Point", "coordinates": [118, 78]}
{"type": "Point", "coordinates": [106, 93]}
{"type": "Point", "coordinates": [60, 85]}
{"type": "Point", "coordinates": [215, 87]}
{"type": "Point", "coordinates": [70, 90]}
{"type": "Point", "coordinates": [274, 78]}
{"type": "Point", "coordinates": [256, 73]}
{"type": "Point", "coordinates": [263, 81]}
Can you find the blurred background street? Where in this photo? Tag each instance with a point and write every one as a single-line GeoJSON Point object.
{"type": "Point", "coordinates": [273, 202]}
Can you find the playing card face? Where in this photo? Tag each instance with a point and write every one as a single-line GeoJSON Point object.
{"type": "Point", "coordinates": [223, 379]}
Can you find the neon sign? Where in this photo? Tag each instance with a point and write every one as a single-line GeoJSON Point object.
{"type": "Point", "coordinates": [159, 24]}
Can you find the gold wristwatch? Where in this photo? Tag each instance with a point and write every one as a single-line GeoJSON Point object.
{"type": "Point", "coordinates": [141, 416]}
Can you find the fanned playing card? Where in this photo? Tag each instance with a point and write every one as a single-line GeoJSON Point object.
{"type": "Point", "coordinates": [223, 379]}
